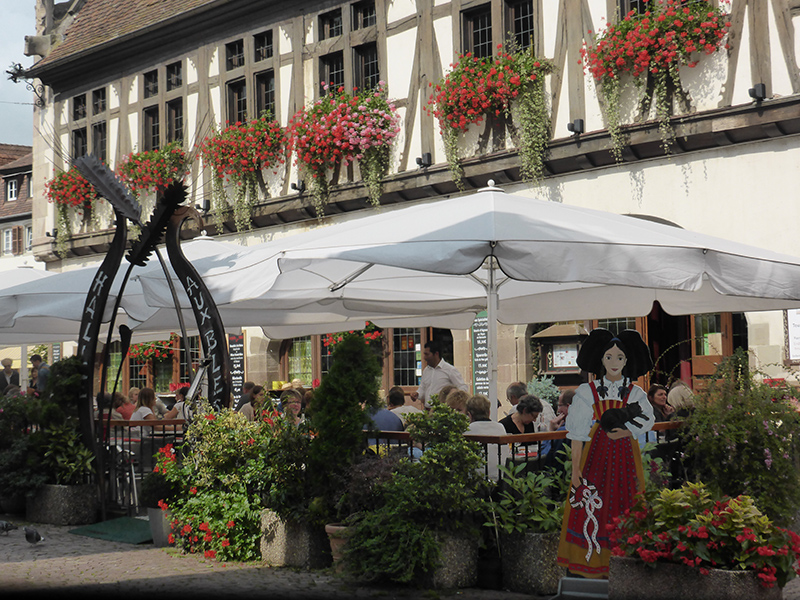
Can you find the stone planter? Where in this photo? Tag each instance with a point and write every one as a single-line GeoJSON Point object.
{"type": "Point", "coordinates": [530, 563]}
{"type": "Point", "coordinates": [159, 527]}
{"type": "Point", "coordinates": [459, 568]}
{"type": "Point", "coordinates": [628, 578]}
{"type": "Point", "coordinates": [64, 505]}
{"type": "Point", "coordinates": [291, 544]}
{"type": "Point", "coordinates": [337, 537]}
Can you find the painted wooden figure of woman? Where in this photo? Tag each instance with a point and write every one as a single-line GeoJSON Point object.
{"type": "Point", "coordinates": [606, 460]}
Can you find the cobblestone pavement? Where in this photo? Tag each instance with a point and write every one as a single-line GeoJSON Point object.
{"type": "Point", "coordinates": [65, 563]}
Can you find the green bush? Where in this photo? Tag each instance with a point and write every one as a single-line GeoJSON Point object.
{"type": "Point", "coordinates": [443, 492]}
{"type": "Point", "coordinates": [742, 438]}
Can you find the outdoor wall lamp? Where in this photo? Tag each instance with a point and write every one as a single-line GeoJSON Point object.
{"type": "Point", "coordinates": [51, 234]}
{"type": "Point", "coordinates": [203, 206]}
{"type": "Point", "coordinates": [576, 126]}
{"type": "Point", "coordinates": [299, 187]}
{"type": "Point", "coordinates": [758, 92]}
{"type": "Point", "coordinates": [425, 161]}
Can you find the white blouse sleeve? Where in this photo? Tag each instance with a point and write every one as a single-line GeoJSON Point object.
{"type": "Point", "coordinates": [639, 396]}
{"type": "Point", "coordinates": [581, 414]}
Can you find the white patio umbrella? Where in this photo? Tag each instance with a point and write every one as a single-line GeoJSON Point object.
{"type": "Point", "coordinates": [531, 261]}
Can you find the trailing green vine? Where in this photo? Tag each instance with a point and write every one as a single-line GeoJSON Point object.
{"type": "Point", "coordinates": [509, 84]}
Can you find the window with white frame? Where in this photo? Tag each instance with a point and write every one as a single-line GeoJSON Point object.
{"type": "Point", "coordinates": [28, 238]}
{"type": "Point", "coordinates": [12, 190]}
{"type": "Point", "coordinates": [8, 241]}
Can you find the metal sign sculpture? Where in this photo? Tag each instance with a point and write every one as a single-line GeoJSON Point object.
{"type": "Point", "coordinates": [168, 215]}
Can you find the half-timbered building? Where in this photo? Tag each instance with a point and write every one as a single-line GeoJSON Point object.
{"type": "Point", "coordinates": [125, 76]}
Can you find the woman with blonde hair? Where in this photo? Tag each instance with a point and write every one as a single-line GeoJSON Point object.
{"type": "Point", "coordinates": [457, 400]}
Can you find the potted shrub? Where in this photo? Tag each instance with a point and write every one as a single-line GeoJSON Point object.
{"type": "Point", "coordinates": [687, 544]}
{"type": "Point", "coordinates": [426, 531]}
{"type": "Point", "coordinates": [20, 469]}
{"type": "Point", "coordinates": [528, 522]}
{"type": "Point", "coordinates": [68, 496]}
{"type": "Point", "coordinates": [157, 494]}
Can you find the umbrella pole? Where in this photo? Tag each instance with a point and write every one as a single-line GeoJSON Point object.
{"type": "Point", "coordinates": [491, 315]}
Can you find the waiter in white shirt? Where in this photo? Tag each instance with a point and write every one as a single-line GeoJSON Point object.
{"type": "Point", "coordinates": [437, 374]}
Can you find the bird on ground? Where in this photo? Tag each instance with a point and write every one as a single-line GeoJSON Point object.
{"type": "Point", "coordinates": [6, 526]}
{"type": "Point", "coordinates": [33, 536]}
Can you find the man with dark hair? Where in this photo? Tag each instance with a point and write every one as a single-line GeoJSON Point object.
{"type": "Point", "coordinates": [437, 374]}
{"type": "Point", "coordinates": [396, 403]}
{"type": "Point", "coordinates": [247, 394]}
{"type": "Point", "coordinates": [514, 392]}
{"type": "Point", "coordinates": [42, 372]}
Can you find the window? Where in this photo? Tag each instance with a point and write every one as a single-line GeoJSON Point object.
{"type": "Point", "coordinates": [79, 147]}
{"type": "Point", "coordinates": [237, 102]}
{"type": "Point", "coordinates": [8, 243]}
{"type": "Point", "coordinates": [17, 239]}
{"type": "Point", "coordinates": [265, 93]}
{"type": "Point", "coordinates": [520, 22]}
{"type": "Point", "coordinates": [151, 134]}
{"type": "Point", "coordinates": [99, 140]}
{"type": "Point", "coordinates": [114, 365]}
{"type": "Point", "coordinates": [332, 71]}
{"type": "Point", "coordinates": [194, 353]}
{"type": "Point", "coordinates": [367, 74]}
{"type": "Point", "coordinates": [99, 101]}
{"type": "Point", "coordinates": [137, 373]}
{"type": "Point", "coordinates": [407, 362]}
{"type": "Point", "coordinates": [330, 24]}
{"type": "Point", "coordinates": [364, 14]}
{"type": "Point", "coordinates": [79, 107]}
{"type": "Point", "coordinates": [28, 238]}
{"type": "Point", "coordinates": [298, 360]}
{"type": "Point", "coordinates": [174, 76]}
{"type": "Point", "coordinates": [617, 325]}
{"type": "Point", "coordinates": [150, 84]}
{"type": "Point", "coordinates": [234, 54]}
{"type": "Point", "coordinates": [175, 120]}
{"type": "Point", "coordinates": [11, 190]}
{"type": "Point", "coordinates": [262, 46]}
{"type": "Point", "coordinates": [626, 6]}
{"type": "Point", "coordinates": [478, 31]}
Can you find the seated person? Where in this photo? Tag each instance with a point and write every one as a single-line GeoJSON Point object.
{"type": "Point", "coordinates": [478, 411]}
{"type": "Point", "coordinates": [382, 419]}
{"type": "Point", "coordinates": [457, 400]}
{"type": "Point", "coordinates": [522, 420]}
{"type": "Point", "coordinates": [551, 448]}
{"type": "Point", "coordinates": [180, 410]}
{"type": "Point", "coordinates": [145, 405]}
{"type": "Point", "coordinates": [123, 406]}
{"type": "Point", "coordinates": [256, 400]}
{"type": "Point", "coordinates": [292, 402]}
{"type": "Point", "coordinates": [396, 402]}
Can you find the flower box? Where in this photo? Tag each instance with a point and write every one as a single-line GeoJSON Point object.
{"type": "Point", "coordinates": [293, 544]}
{"type": "Point", "coordinates": [530, 564]}
{"type": "Point", "coordinates": [631, 579]}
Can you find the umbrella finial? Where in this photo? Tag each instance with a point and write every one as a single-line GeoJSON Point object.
{"type": "Point", "coordinates": [490, 187]}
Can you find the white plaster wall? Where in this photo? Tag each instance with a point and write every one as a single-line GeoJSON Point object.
{"type": "Point", "coordinates": [309, 83]}
{"type": "Point", "coordinates": [192, 76]}
{"type": "Point", "coordinates": [781, 85]}
{"type": "Point", "coordinates": [744, 80]}
{"type": "Point", "coordinates": [113, 95]}
{"type": "Point", "coordinates": [444, 40]}
{"type": "Point", "coordinates": [285, 87]}
{"type": "Point", "coordinates": [213, 64]}
{"type": "Point", "coordinates": [190, 132]}
{"type": "Point", "coordinates": [113, 141]}
{"type": "Point", "coordinates": [400, 48]}
{"type": "Point", "coordinates": [133, 91]}
{"type": "Point", "coordinates": [284, 39]}
{"type": "Point", "coordinates": [215, 104]}
{"type": "Point", "coordinates": [400, 9]}
{"type": "Point", "coordinates": [133, 131]}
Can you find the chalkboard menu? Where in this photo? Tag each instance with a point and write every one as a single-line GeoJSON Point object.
{"type": "Point", "coordinates": [236, 352]}
{"type": "Point", "coordinates": [56, 354]}
{"type": "Point", "coordinates": [480, 354]}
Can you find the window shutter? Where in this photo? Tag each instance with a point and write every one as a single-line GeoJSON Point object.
{"type": "Point", "coordinates": [17, 240]}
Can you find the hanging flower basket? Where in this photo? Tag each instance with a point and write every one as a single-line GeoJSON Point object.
{"type": "Point", "coordinates": [153, 170]}
{"type": "Point", "coordinates": [652, 47]}
{"type": "Point", "coordinates": [69, 190]}
{"type": "Point", "coordinates": [237, 155]}
{"type": "Point", "coordinates": [502, 86]}
{"type": "Point", "coordinates": [372, 335]}
{"type": "Point", "coordinates": [161, 351]}
{"type": "Point", "coordinates": [340, 128]}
